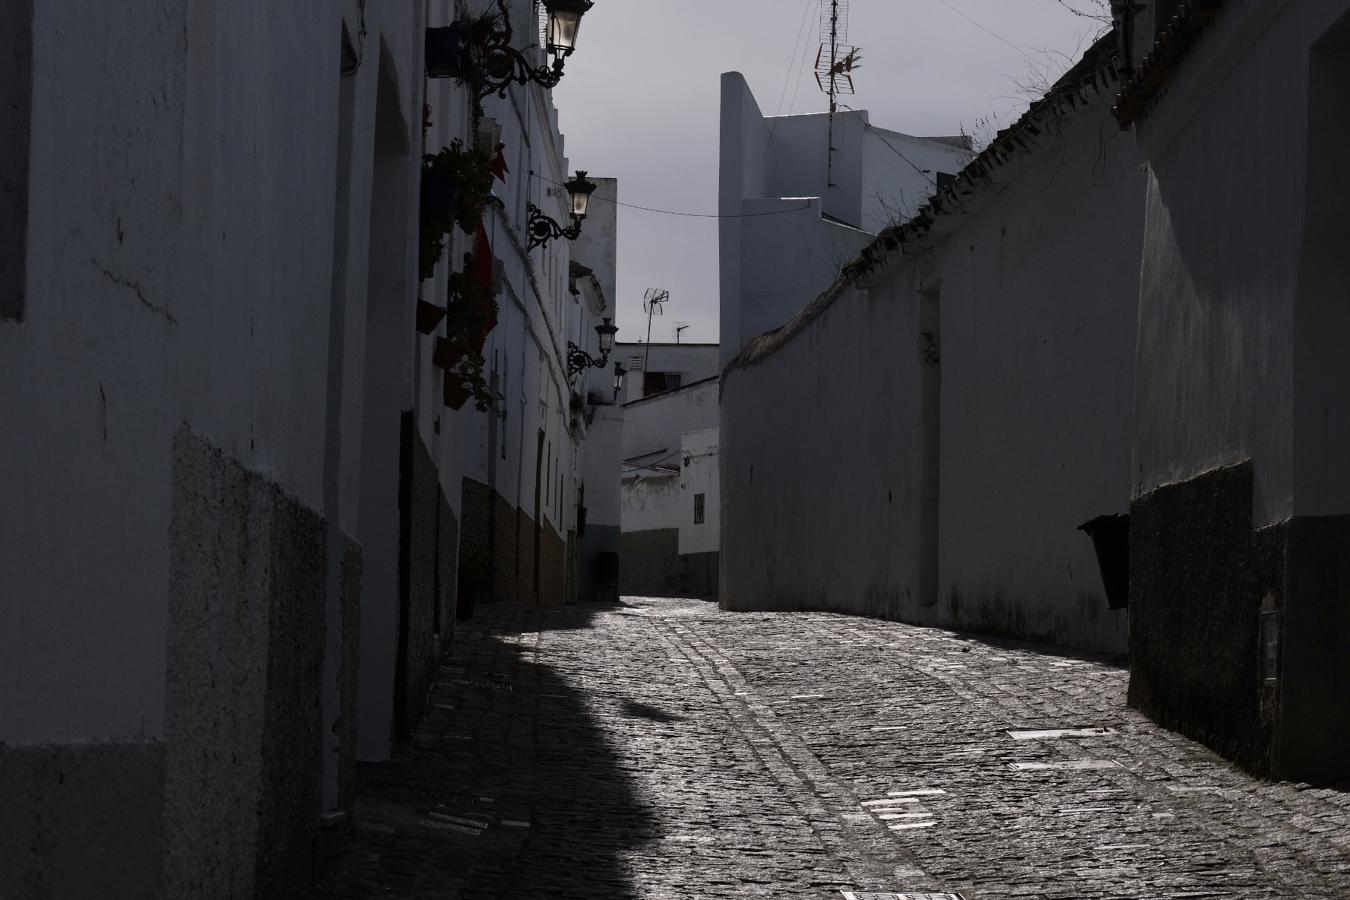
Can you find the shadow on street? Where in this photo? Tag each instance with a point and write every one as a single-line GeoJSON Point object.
{"type": "Point", "coordinates": [508, 788]}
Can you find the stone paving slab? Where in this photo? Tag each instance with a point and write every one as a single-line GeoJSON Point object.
{"type": "Point", "coordinates": [665, 749]}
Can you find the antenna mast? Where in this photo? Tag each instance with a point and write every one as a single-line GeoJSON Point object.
{"type": "Point", "coordinates": [835, 63]}
{"type": "Point", "coordinates": [652, 305]}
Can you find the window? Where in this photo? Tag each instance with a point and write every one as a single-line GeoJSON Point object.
{"type": "Point", "coordinates": [658, 382]}
{"type": "Point", "coordinates": [698, 509]}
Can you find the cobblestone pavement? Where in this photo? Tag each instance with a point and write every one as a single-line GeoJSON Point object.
{"type": "Point", "coordinates": [665, 749]}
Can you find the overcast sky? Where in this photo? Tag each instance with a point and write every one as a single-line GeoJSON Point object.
{"type": "Point", "coordinates": [640, 103]}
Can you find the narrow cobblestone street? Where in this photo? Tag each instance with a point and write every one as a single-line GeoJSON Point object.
{"type": "Point", "coordinates": [665, 749]}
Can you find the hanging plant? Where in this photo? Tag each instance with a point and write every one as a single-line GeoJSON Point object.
{"type": "Point", "coordinates": [469, 169]}
{"type": "Point", "coordinates": [456, 188]}
{"type": "Point", "coordinates": [466, 381]}
{"type": "Point", "coordinates": [463, 48]}
{"type": "Point", "coordinates": [471, 314]}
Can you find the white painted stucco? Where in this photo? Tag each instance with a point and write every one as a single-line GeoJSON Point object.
{"type": "Point", "coordinates": [790, 220]}
{"type": "Point", "coordinates": [652, 499]}
{"type": "Point", "coordinates": [952, 494]}
{"type": "Point", "coordinates": [180, 271]}
{"type": "Point", "coordinates": [539, 313]}
{"type": "Point", "coordinates": [1244, 264]}
{"type": "Point", "coordinates": [653, 425]}
{"type": "Point", "coordinates": [699, 476]}
{"type": "Point", "coordinates": [224, 238]}
{"type": "Point", "coordinates": [693, 362]}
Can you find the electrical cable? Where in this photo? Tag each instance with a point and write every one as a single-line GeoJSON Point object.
{"type": "Point", "coordinates": [931, 179]}
{"type": "Point", "coordinates": [792, 61]}
{"type": "Point", "coordinates": [672, 212]}
{"type": "Point", "coordinates": [988, 31]}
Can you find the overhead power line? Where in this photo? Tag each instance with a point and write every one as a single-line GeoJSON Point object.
{"type": "Point", "coordinates": [792, 63]}
{"type": "Point", "coordinates": [988, 31]}
{"type": "Point", "coordinates": [926, 174]}
{"type": "Point", "coordinates": [672, 212]}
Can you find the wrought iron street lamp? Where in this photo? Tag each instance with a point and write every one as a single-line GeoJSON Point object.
{"type": "Point", "coordinates": [619, 373]}
{"type": "Point", "coordinates": [543, 228]}
{"type": "Point", "coordinates": [579, 360]}
{"type": "Point", "coordinates": [492, 64]}
{"type": "Point", "coordinates": [564, 21]}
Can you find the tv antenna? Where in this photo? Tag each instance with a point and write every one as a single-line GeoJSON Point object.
{"type": "Point", "coordinates": [652, 304]}
{"type": "Point", "coordinates": [836, 61]}
{"type": "Point", "coordinates": [680, 326]}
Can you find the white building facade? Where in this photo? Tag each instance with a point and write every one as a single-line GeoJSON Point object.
{"type": "Point", "coordinates": [994, 335]}
{"type": "Point", "coordinates": [524, 476]}
{"type": "Point", "coordinates": [230, 525]}
{"type": "Point", "coordinates": [799, 196]}
{"type": "Point", "coordinates": [656, 367]}
{"type": "Point", "coordinates": [1240, 506]}
{"type": "Point", "coordinates": [670, 498]}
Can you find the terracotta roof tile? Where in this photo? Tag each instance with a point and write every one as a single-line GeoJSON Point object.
{"type": "Point", "coordinates": [1174, 41]}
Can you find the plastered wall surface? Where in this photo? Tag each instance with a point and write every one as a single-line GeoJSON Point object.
{"type": "Point", "coordinates": [820, 514]}
{"type": "Point", "coordinates": [145, 129]}
{"type": "Point", "coordinates": [1030, 308]}
{"type": "Point", "coordinates": [1243, 292]}
{"type": "Point", "coordinates": [651, 502]}
{"type": "Point", "coordinates": [1200, 297]}
{"type": "Point", "coordinates": [694, 362]}
{"type": "Point", "coordinates": [652, 426]}
{"type": "Point", "coordinates": [774, 170]}
{"type": "Point", "coordinates": [699, 463]}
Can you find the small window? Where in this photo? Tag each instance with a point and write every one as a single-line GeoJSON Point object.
{"type": "Point", "coordinates": [698, 509]}
{"type": "Point", "coordinates": [659, 382]}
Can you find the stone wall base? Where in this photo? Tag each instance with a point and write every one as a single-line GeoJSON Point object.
{"type": "Point", "coordinates": [243, 731]}
{"type": "Point", "coordinates": [651, 566]}
{"type": "Point", "coordinates": [1238, 635]}
{"type": "Point", "coordinates": [82, 820]}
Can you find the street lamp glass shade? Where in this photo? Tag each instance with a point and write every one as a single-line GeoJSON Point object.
{"type": "Point", "coordinates": [580, 190]}
{"type": "Point", "coordinates": [607, 332]}
{"type": "Point", "coordinates": [564, 21]}
{"type": "Point", "coordinates": [619, 373]}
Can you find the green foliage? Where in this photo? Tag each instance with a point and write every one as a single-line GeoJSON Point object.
{"type": "Point", "coordinates": [470, 315]}
{"type": "Point", "coordinates": [469, 170]}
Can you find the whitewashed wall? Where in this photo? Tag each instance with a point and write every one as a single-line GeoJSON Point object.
{"type": "Point", "coordinates": [1234, 267]}
{"type": "Point", "coordinates": [655, 423]}
{"type": "Point", "coordinates": [651, 500]}
{"type": "Point", "coordinates": [699, 459]}
{"type": "Point", "coordinates": [776, 250]}
{"type": "Point", "coordinates": [694, 362]}
{"type": "Point", "coordinates": [180, 272]}
{"type": "Point", "coordinates": [1033, 298]}
{"type": "Point", "coordinates": [222, 239]}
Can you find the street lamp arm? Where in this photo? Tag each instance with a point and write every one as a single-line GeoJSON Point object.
{"type": "Point", "coordinates": [502, 65]}
{"type": "Point", "coordinates": [579, 360]}
{"type": "Point", "coordinates": [543, 228]}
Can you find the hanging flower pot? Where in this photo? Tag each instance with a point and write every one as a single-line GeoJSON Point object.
{"type": "Point", "coordinates": [469, 172]}
{"type": "Point", "coordinates": [429, 315]}
{"type": "Point", "coordinates": [446, 354]}
{"type": "Point", "coordinates": [443, 50]}
{"type": "Point", "coordinates": [455, 391]}
{"type": "Point", "coordinates": [438, 196]}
